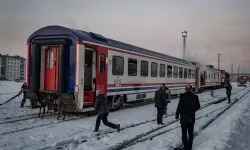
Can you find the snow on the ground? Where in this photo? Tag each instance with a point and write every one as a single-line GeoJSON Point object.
{"type": "Point", "coordinates": [8, 89]}
{"type": "Point", "coordinates": [173, 138]}
{"type": "Point", "coordinates": [230, 131]}
{"type": "Point", "coordinates": [49, 135]}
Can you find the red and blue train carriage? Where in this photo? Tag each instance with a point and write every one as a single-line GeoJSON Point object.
{"type": "Point", "coordinates": [68, 61]}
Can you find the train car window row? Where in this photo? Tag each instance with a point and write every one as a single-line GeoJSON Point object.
{"type": "Point", "coordinates": [162, 70]}
{"type": "Point", "coordinates": [175, 72]}
{"type": "Point", "coordinates": [132, 67]}
{"type": "Point", "coordinates": [144, 68]}
{"type": "Point", "coordinates": [180, 72]}
{"type": "Point", "coordinates": [172, 71]}
{"type": "Point", "coordinates": [154, 68]}
{"type": "Point", "coordinates": [118, 65]}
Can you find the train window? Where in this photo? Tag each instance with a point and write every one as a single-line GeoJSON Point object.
{"type": "Point", "coordinates": [154, 69]}
{"type": "Point", "coordinates": [193, 73]}
{"type": "Point", "coordinates": [180, 72]}
{"type": "Point", "coordinates": [185, 72]}
{"type": "Point", "coordinates": [162, 70]}
{"type": "Point", "coordinates": [102, 64]}
{"type": "Point", "coordinates": [189, 73]}
{"type": "Point", "coordinates": [50, 59]}
{"type": "Point", "coordinates": [144, 68]}
{"type": "Point", "coordinates": [175, 72]}
{"type": "Point", "coordinates": [132, 67]}
{"type": "Point", "coordinates": [117, 65]}
{"type": "Point", "coordinates": [170, 71]}
{"type": "Point", "coordinates": [209, 75]}
{"type": "Point", "coordinates": [214, 75]}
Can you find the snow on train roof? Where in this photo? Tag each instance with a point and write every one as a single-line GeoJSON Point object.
{"type": "Point", "coordinates": [79, 35]}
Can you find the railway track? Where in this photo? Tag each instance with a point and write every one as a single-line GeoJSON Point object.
{"type": "Point", "coordinates": [84, 139]}
{"type": "Point", "coordinates": [34, 116]}
{"type": "Point", "coordinates": [19, 118]}
{"type": "Point", "coordinates": [181, 147]}
{"type": "Point", "coordinates": [148, 136]}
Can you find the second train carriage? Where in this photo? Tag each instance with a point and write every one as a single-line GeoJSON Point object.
{"type": "Point", "coordinates": [63, 61]}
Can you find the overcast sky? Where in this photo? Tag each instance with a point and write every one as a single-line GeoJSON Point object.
{"type": "Point", "coordinates": [214, 26]}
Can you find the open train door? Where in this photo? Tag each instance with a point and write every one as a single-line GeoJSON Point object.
{"type": "Point", "coordinates": [79, 81]}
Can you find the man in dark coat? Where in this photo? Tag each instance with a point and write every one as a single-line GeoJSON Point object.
{"type": "Point", "coordinates": [160, 103]}
{"type": "Point", "coordinates": [24, 90]}
{"type": "Point", "coordinates": [168, 95]}
{"type": "Point", "coordinates": [101, 106]}
{"type": "Point", "coordinates": [188, 105]}
{"type": "Point", "coordinates": [228, 91]}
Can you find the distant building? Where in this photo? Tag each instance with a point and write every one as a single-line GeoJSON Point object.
{"type": "Point", "coordinates": [13, 67]}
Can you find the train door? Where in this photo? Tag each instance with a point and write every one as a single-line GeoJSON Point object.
{"type": "Point", "coordinates": [51, 69]}
{"type": "Point", "coordinates": [89, 76]}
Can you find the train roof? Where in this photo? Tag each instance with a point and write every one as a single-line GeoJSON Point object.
{"type": "Point", "coordinates": [80, 36]}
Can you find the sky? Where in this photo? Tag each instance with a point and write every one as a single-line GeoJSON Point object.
{"type": "Point", "coordinates": [213, 26]}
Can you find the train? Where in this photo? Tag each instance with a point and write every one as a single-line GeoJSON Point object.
{"type": "Point", "coordinates": [243, 81]}
{"type": "Point", "coordinates": [62, 61]}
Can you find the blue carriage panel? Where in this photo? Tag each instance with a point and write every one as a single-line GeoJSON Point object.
{"type": "Point", "coordinates": [71, 68]}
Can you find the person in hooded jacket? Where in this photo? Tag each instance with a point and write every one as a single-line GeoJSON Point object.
{"type": "Point", "coordinates": [228, 91]}
{"type": "Point", "coordinates": [160, 103]}
{"type": "Point", "coordinates": [24, 90]}
{"type": "Point", "coordinates": [101, 106]}
{"type": "Point", "coordinates": [188, 105]}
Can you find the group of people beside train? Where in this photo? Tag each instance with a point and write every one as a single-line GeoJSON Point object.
{"type": "Point", "coordinates": [187, 106]}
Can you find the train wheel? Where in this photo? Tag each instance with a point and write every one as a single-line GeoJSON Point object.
{"type": "Point", "coordinates": [116, 103]}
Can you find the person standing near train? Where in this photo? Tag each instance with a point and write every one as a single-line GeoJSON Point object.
{"type": "Point", "coordinates": [188, 105]}
{"type": "Point", "coordinates": [24, 90]}
{"type": "Point", "coordinates": [160, 103]}
{"type": "Point", "coordinates": [168, 95]}
{"type": "Point", "coordinates": [228, 91]}
{"type": "Point", "coordinates": [101, 106]}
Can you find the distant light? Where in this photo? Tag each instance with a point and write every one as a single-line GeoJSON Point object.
{"type": "Point", "coordinates": [184, 33]}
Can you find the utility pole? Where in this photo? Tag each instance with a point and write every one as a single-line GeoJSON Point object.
{"type": "Point", "coordinates": [219, 61]}
{"type": "Point", "coordinates": [184, 35]}
{"type": "Point", "coordinates": [239, 71]}
{"type": "Point", "coordinates": [232, 70]}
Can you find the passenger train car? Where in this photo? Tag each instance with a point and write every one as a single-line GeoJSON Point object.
{"type": "Point", "coordinates": [64, 61]}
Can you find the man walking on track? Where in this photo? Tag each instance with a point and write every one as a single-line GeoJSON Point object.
{"type": "Point", "coordinates": [24, 89]}
{"type": "Point", "coordinates": [101, 106]}
{"type": "Point", "coordinates": [188, 105]}
{"type": "Point", "coordinates": [228, 91]}
{"type": "Point", "coordinates": [160, 103]}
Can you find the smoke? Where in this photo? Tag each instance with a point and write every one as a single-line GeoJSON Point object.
{"type": "Point", "coordinates": [194, 57]}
